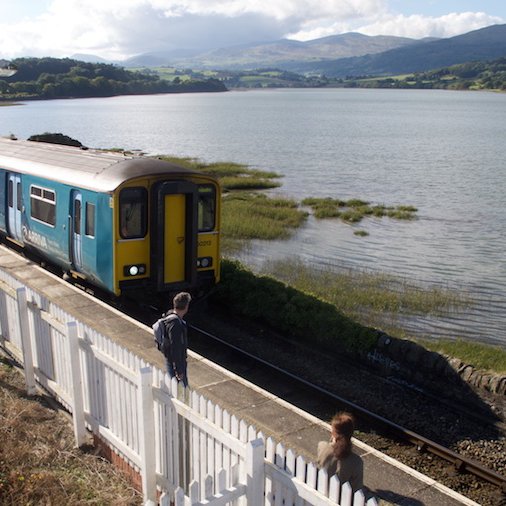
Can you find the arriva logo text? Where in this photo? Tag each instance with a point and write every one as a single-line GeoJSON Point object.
{"type": "Point", "coordinates": [34, 237]}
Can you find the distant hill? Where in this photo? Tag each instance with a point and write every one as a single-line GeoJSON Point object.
{"type": "Point", "coordinates": [274, 53]}
{"type": "Point", "coordinates": [485, 44]}
{"type": "Point", "coordinates": [158, 58]}
{"type": "Point", "coordinates": [89, 58]}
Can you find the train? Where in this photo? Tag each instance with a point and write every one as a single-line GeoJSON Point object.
{"type": "Point", "coordinates": [126, 224]}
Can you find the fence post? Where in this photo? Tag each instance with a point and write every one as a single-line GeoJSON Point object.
{"type": "Point", "coordinates": [145, 408]}
{"type": "Point", "coordinates": [255, 473]}
{"type": "Point", "coordinates": [26, 343]}
{"type": "Point", "coordinates": [77, 388]}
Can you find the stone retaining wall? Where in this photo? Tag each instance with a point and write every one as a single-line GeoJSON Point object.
{"type": "Point", "coordinates": [427, 369]}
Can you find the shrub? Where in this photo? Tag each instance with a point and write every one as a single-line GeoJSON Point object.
{"type": "Point", "coordinates": [300, 315]}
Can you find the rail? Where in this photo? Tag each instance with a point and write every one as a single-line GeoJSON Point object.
{"type": "Point", "coordinates": [460, 462]}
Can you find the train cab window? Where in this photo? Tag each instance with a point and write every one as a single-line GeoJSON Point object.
{"type": "Point", "coordinates": [133, 206]}
{"type": "Point", "coordinates": [89, 227]}
{"type": "Point", "coordinates": [43, 205]}
{"type": "Point", "coordinates": [206, 207]}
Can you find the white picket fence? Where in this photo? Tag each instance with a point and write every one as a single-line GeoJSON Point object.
{"type": "Point", "coordinates": [187, 450]}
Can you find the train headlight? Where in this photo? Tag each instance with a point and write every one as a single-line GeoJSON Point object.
{"type": "Point", "coordinates": [134, 270]}
{"type": "Point", "coordinates": [204, 262]}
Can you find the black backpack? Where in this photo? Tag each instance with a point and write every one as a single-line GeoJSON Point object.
{"type": "Point", "coordinates": [159, 328]}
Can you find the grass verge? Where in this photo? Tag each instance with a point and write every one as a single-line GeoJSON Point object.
{"type": "Point", "coordinates": [482, 356]}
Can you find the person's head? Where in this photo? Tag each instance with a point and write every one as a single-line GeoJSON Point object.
{"type": "Point", "coordinates": [181, 302]}
{"type": "Point", "coordinates": [342, 426]}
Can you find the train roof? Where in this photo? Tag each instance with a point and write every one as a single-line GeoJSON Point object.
{"type": "Point", "coordinates": [85, 168]}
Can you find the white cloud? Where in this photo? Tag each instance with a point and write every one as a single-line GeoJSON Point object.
{"type": "Point", "coordinates": [120, 28]}
{"type": "Point", "coordinates": [418, 26]}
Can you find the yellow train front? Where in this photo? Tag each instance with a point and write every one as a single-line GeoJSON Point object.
{"type": "Point", "coordinates": [125, 224]}
{"type": "Point", "coordinates": [167, 232]}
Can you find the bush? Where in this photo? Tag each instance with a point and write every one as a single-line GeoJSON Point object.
{"type": "Point", "coordinates": [296, 314]}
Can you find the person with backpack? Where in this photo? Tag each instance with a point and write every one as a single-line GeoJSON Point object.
{"type": "Point", "coordinates": [171, 336]}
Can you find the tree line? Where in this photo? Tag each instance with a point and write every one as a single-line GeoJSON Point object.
{"type": "Point", "coordinates": [47, 78]}
{"type": "Point", "coordinates": [479, 75]}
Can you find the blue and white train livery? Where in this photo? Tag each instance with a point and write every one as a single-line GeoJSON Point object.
{"type": "Point", "coordinates": [122, 223]}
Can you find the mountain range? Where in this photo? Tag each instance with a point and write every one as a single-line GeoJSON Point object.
{"type": "Point", "coordinates": [349, 54]}
{"type": "Point", "coordinates": [275, 53]}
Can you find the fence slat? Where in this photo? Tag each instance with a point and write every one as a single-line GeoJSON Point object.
{"type": "Point", "coordinates": [77, 387]}
{"type": "Point", "coordinates": [323, 482]}
{"type": "Point", "coordinates": [346, 495]}
{"type": "Point", "coordinates": [146, 433]}
{"type": "Point", "coordinates": [255, 472]}
{"type": "Point", "coordinates": [334, 488]}
{"type": "Point", "coordinates": [26, 342]}
{"type": "Point", "coordinates": [358, 498]}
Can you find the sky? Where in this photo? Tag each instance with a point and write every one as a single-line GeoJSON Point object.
{"type": "Point", "coordinates": [118, 29]}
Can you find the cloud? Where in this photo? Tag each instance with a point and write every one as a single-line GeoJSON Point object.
{"type": "Point", "coordinates": [121, 28]}
{"type": "Point", "coordinates": [418, 26]}
{"type": "Point", "coordinates": [116, 29]}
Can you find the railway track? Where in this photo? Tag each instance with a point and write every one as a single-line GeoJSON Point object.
{"type": "Point", "coordinates": [459, 463]}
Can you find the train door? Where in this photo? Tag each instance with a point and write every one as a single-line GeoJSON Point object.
{"type": "Point", "coordinates": [76, 230]}
{"type": "Point", "coordinates": [14, 206]}
{"type": "Point", "coordinates": [174, 235]}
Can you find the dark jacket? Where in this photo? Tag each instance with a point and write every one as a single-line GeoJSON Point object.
{"type": "Point", "coordinates": [176, 347]}
{"type": "Point", "coordinates": [348, 469]}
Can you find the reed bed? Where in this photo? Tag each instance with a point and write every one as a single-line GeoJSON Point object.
{"type": "Point", "coordinates": [232, 176]}
{"type": "Point", "coordinates": [256, 216]}
{"type": "Point", "coordinates": [354, 210]}
{"type": "Point", "coordinates": [373, 299]}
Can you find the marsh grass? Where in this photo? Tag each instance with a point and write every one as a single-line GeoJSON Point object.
{"type": "Point", "coordinates": [354, 210]}
{"type": "Point", "coordinates": [481, 356]}
{"type": "Point", "coordinates": [232, 176]}
{"type": "Point", "coordinates": [255, 216]}
{"type": "Point", "coordinates": [247, 183]}
{"type": "Point", "coordinates": [370, 298]}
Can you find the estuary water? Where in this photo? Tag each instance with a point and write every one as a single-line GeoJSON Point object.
{"type": "Point", "coordinates": [441, 151]}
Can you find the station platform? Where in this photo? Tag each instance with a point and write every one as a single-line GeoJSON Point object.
{"type": "Point", "coordinates": [386, 479]}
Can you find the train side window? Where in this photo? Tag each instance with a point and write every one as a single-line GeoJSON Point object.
{"type": "Point", "coordinates": [206, 208]}
{"type": "Point", "coordinates": [133, 206]}
{"type": "Point", "coordinates": [43, 205]}
{"type": "Point", "coordinates": [90, 220]}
